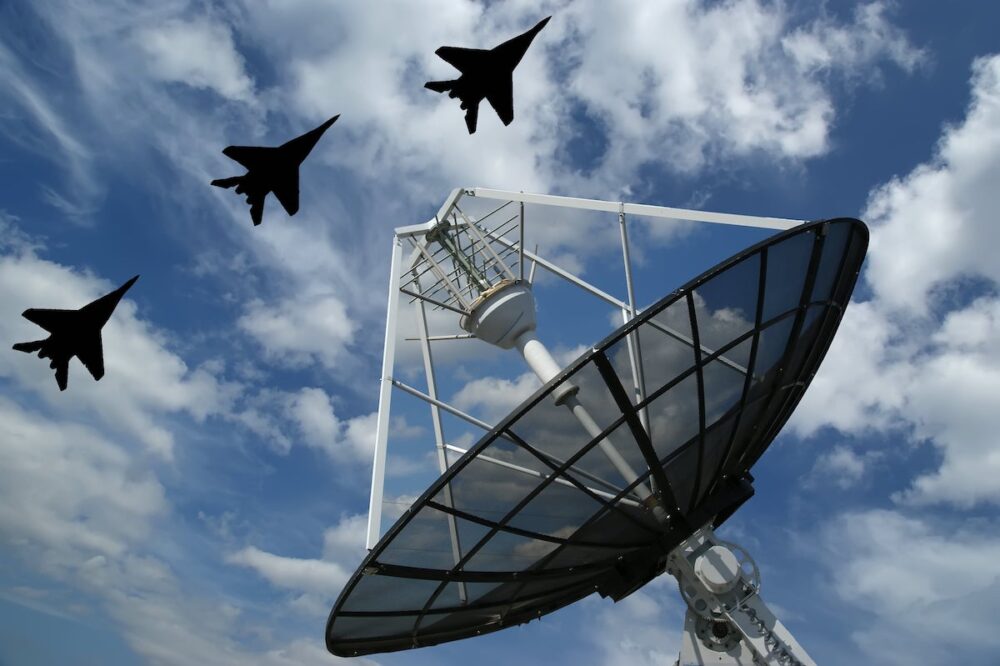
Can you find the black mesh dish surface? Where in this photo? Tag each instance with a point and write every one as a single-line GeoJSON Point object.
{"type": "Point", "coordinates": [535, 517]}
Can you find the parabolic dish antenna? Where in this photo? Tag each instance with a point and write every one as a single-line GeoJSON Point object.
{"type": "Point", "coordinates": [620, 466]}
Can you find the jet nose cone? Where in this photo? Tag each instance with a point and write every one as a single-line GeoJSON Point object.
{"type": "Point", "coordinates": [128, 285]}
{"type": "Point", "coordinates": [300, 147]}
{"type": "Point", "coordinates": [325, 126]}
{"type": "Point", "coordinates": [103, 307]}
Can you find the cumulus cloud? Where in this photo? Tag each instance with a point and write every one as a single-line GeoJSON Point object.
{"type": "Point", "coordinates": [677, 112]}
{"type": "Point", "coordinates": [936, 224]}
{"type": "Point", "coordinates": [826, 44]}
{"type": "Point", "coordinates": [352, 440]}
{"type": "Point", "coordinates": [80, 493]}
{"type": "Point", "coordinates": [843, 467]}
{"type": "Point", "coordinates": [919, 358]}
{"type": "Point", "coordinates": [933, 587]}
{"type": "Point", "coordinates": [673, 94]}
{"type": "Point", "coordinates": [67, 493]}
{"type": "Point", "coordinates": [197, 53]}
{"type": "Point", "coordinates": [298, 331]}
{"type": "Point", "coordinates": [315, 582]}
{"type": "Point", "coordinates": [494, 397]}
{"type": "Point", "coordinates": [293, 573]}
{"type": "Point", "coordinates": [641, 630]}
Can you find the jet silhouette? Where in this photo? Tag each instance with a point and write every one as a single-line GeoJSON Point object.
{"type": "Point", "coordinates": [74, 333]}
{"type": "Point", "coordinates": [272, 170]}
{"type": "Point", "coordinates": [485, 74]}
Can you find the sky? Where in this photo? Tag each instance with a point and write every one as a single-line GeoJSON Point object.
{"type": "Point", "coordinates": [206, 501]}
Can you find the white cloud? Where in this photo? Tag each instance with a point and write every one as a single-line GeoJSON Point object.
{"type": "Point", "coordinates": [79, 492]}
{"type": "Point", "coordinates": [400, 140]}
{"type": "Point", "coordinates": [67, 493]}
{"type": "Point", "coordinates": [396, 126]}
{"type": "Point", "coordinates": [168, 627]}
{"type": "Point", "coordinates": [345, 541]}
{"type": "Point", "coordinates": [316, 582]}
{"type": "Point", "coordinates": [843, 467]}
{"type": "Point", "coordinates": [77, 508]}
{"type": "Point", "coordinates": [826, 44]}
{"type": "Point", "coordinates": [494, 397]}
{"type": "Point", "coordinates": [934, 589]}
{"type": "Point", "coordinates": [198, 53]}
{"type": "Point", "coordinates": [895, 364]}
{"type": "Point", "coordinates": [670, 92]}
{"type": "Point", "coordinates": [865, 357]}
{"type": "Point", "coordinates": [293, 573]}
{"type": "Point", "coordinates": [352, 440]}
{"type": "Point", "coordinates": [640, 630]}
{"type": "Point", "coordinates": [396, 137]}
{"type": "Point", "coordinates": [937, 223]}
{"type": "Point", "coordinates": [298, 331]}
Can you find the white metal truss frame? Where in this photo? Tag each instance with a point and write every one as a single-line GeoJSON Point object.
{"type": "Point", "coordinates": [416, 236]}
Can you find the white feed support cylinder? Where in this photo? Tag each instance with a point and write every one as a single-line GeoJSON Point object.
{"type": "Point", "coordinates": [545, 368]}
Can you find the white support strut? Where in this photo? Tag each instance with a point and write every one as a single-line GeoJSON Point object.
{"type": "Point", "coordinates": [384, 399]}
{"type": "Point", "coordinates": [776, 223]}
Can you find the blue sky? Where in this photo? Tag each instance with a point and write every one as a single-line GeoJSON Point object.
{"type": "Point", "coordinates": [205, 501]}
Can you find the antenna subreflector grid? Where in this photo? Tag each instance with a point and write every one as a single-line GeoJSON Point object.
{"type": "Point", "coordinates": [619, 467]}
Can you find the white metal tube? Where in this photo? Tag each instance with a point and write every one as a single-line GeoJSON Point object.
{"type": "Point", "coordinates": [520, 254]}
{"type": "Point", "coordinates": [425, 347]}
{"type": "Point", "coordinates": [384, 398]}
{"type": "Point", "coordinates": [440, 274]}
{"type": "Point", "coordinates": [634, 347]}
{"type": "Point", "coordinates": [543, 365]}
{"type": "Point", "coordinates": [473, 230]}
{"type": "Point", "coordinates": [638, 209]}
{"type": "Point", "coordinates": [594, 430]}
{"type": "Point", "coordinates": [537, 356]}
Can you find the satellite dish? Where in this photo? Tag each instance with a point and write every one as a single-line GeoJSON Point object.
{"type": "Point", "coordinates": [620, 466]}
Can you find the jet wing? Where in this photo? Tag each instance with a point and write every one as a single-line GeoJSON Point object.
{"type": "Point", "coordinates": [91, 354]}
{"type": "Point", "coordinates": [461, 59]}
{"type": "Point", "coordinates": [501, 98]}
{"type": "Point", "coordinates": [50, 320]}
{"type": "Point", "coordinates": [249, 156]}
{"type": "Point", "coordinates": [287, 191]}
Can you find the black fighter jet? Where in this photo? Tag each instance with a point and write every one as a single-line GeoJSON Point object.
{"type": "Point", "coordinates": [485, 74]}
{"type": "Point", "coordinates": [74, 333]}
{"type": "Point", "coordinates": [272, 170]}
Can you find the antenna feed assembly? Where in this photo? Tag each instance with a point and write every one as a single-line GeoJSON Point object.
{"type": "Point", "coordinates": [504, 312]}
{"type": "Point", "coordinates": [504, 316]}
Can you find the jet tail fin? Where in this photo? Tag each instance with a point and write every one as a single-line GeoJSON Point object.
{"type": "Point", "coordinates": [440, 86]}
{"type": "Point", "coordinates": [29, 347]}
